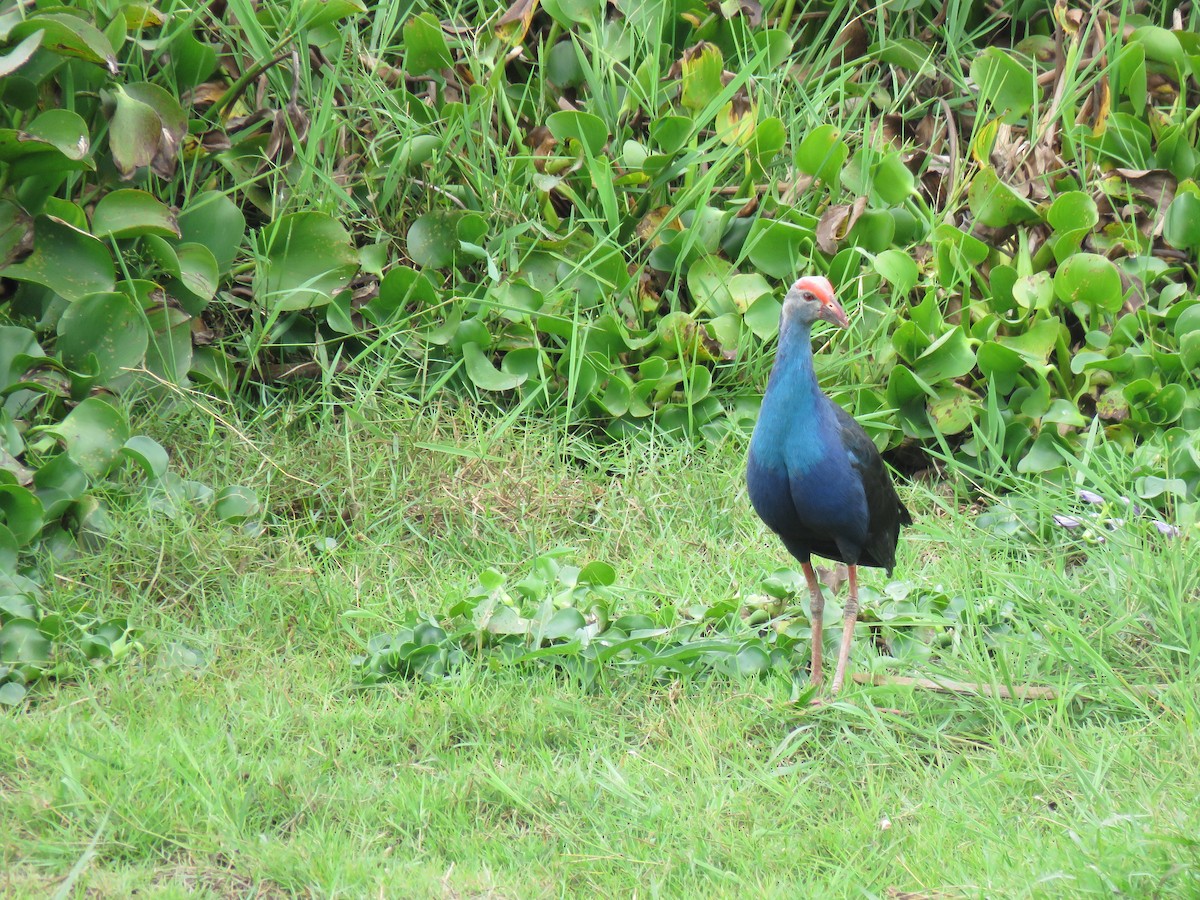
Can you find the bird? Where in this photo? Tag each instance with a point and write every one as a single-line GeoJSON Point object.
{"type": "Point", "coordinates": [814, 476]}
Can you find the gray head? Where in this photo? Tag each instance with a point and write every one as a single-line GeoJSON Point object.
{"type": "Point", "coordinates": [812, 298]}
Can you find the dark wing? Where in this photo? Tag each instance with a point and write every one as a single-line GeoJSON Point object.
{"type": "Point", "coordinates": [885, 512]}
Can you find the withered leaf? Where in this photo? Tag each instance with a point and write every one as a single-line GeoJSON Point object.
{"type": "Point", "coordinates": [836, 223]}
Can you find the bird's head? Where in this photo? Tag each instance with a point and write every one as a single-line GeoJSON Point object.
{"type": "Point", "coordinates": [812, 298]}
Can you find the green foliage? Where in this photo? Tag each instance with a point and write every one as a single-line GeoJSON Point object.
{"type": "Point", "coordinates": [568, 617]}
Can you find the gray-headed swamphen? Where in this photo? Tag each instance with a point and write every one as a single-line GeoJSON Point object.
{"type": "Point", "coordinates": [814, 476]}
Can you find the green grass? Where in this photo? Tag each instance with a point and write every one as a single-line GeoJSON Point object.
{"type": "Point", "coordinates": [264, 774]}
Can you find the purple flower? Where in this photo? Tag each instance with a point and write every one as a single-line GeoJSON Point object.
{"type": "Point", "coordinates": [1090, 497]}
{"type": "Point", "coordinates": [1166, 529]}
{"type": "Point", "coordinates": [1067, 521]}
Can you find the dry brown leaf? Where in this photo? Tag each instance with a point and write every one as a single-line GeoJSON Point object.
{"type": "Point", "coordinates": [514, 24]}
{"type": "Point", "coordinates": [836, 223]}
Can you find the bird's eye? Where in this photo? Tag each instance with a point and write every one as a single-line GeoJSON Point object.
{"type": "Point", "coordinates": [808, 296]}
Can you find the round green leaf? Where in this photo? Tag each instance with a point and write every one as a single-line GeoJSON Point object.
{"type": "Point", "coordinates": [763, 317]}
{"type": "Point", "coordinates": [130, 213]}
{"type": "Point", "coordinates": [670, 133]}
{"type": "Point", "coordinates": [9, 550]}
{"type": "Point", "coordinates": [1090, 279]}
{"type": "Point", "coordinates": [109, 325]}
{"type": "Point", "coordinates": [56, 141]}
{"type": "Point", "coordinates": [198, 270]}
{"type": "Point", "coordinates": [483, 374]}
{"type": "Point", "coordinates": [22, 512]}
{"type": "Point", "coordinates": [1182, 226]}
{"type": "Point", "coordinates": [778, 247]}
{"type": "Point", "coordinates": [212, 219]}
{"type": "Point", "coordinates": [94, 433]}
{"type": "Point", "coordinates": [1005, 84]}
{"type": "Point", "coordinates": [433, 239]}
{"type": "Point", "coordinates": [308, 259]}
{"type": "Point", "coordinates": [898, 268]}
{"type": "Point", "coordinates": [11, 693]}
{"type": "Point", "coordinates": [893, 181]}
{"type": "Point", "coordinates": [995, 203]}
{"type": "Point", "coordinates": [147, 453]}
{"type": "Point", "coordinates": [425, 48]}
{"type": "Point", "coordinates": [68, 35]}
{"type": "Point", "coordinates": [236, 503]}
{"type": "Point", "coordinates": [20, 54]}
{"type": "Point", "coordinates": [822, 153]}
{"type": "Point", "coordinates": [70, 262]}
{"type": "Point", "coordinates": [134, 133]}
{"type": "Point", "coordinates": [1072, 210]}
{"type": "Point", "coordinates": [584, 127]}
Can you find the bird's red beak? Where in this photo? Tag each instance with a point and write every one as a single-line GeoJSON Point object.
{"type": "Point", "coordinates": [831, 311]}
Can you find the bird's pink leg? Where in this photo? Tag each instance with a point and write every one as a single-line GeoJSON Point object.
{"type": "Point", "coordinates": [818, 615]}
{"type": "Point", "coordinates": [850, 616]}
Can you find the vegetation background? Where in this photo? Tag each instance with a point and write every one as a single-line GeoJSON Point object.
{"type": "Point", "coordinates": [376, 386]}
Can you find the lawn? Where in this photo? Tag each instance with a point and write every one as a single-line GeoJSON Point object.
{"type": "Point", "coordinates": [232, 755]}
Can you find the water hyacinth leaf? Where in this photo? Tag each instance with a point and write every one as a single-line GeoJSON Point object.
{"type": "Point", "coordinates": [56, 141]}
{"type": "Point", "coordinates": [131, 213]}
{"type": "Point", "coordinates": [94, 433]}
{"type": "Point", "coordinates": [770, 137]}
{"type": "Point", "coordinates": [822, 154]}
{"type": "Point", "coordinates": [563, 624]}
{"type": "Point", "coordinates": [898, 269]}
{"type": "Point", "coordinates": [236, 504]}
{"type": "Point", "coordinates": [23, 644]}
{"type": "Point", "coordinates": [1161, 45]}
{"type": "Point", "coordinates": [1073, 210]}
{"type": "Point", "coordinates": [1181, 228]}
{"type": "Point", "coordinates": [68, 261]}
{"type": "Point", "coordinates": [308, 257]}
{"type": "Point", "coordinates": [198, 270]}
{"type": "Point", "coordinates": [589, 130]}
{"type": "Point", "coordinates": [15, 229]}
{"type": "Point", "coordinates": [1090, 279]}
{"type": "Point", "coordinates": [68, 35]}
{"type": "Point", "coordinates": [484, 375]}
{"type": "Point", "coordinates": [708, 283]}
{"type": "Point", "coordinates": [701, 68]}
{"type": "Point", "coordinates": [134, 133]}
{"type": "Point", "coordinates": [401, 287]}
{"type": "Point", "coordinates": [212, 219]}
{"type": "Point", "coordinates": [763, 317]}
{"type": "Point", "coordinates": [1189, 350]}
{"type": "Point", "coordinates": [996, 204]}
{"type": "Point", "coordinates": [21, 53]}
{"type": "Point", "coordinates": [563, 67]}
{"type": "Point", "coordinates": [12, 693]}
{"type": "Point", "coordinates": [1150, 486]}
{"type": "Point", "coordinates": [947, 358]}
{"type": "Point", "coordinates": [19, 606]}
{"type": "Point", "coordinates": [1034, 291]}
{"type": "Point", "coordinates": [670, 133]}
{"type": "Point", "coordinates": [569, 13]}
{"type": "Point", "coordinates": [319, 13]}
{"type": "Point", "coordinates": [892, 180]}
{"type": "Point", "coordinates": [1043, 455]}
{"type": "Point", "coordinates": [777, 247]}
{"type": "Point", "coordinates": [954, 410]}
{"type": "Point", "coordinates": [148, 454]}
{"type": "Point", "coordinates": [22, 512]}
{"type": "Point", "coordinates": [433, 239]}
{"type": "Point", "coordinates": [1005, 84]}
{"type": "Point", "coordinates": [170, 354]}
{"type": "Point", "coordinates": [425, 48]}
{"type": "Point", "coordinates": [109, 325]}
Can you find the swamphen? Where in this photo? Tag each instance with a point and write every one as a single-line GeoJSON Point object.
{"type": "Point", "coordinates": [814, 476]}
